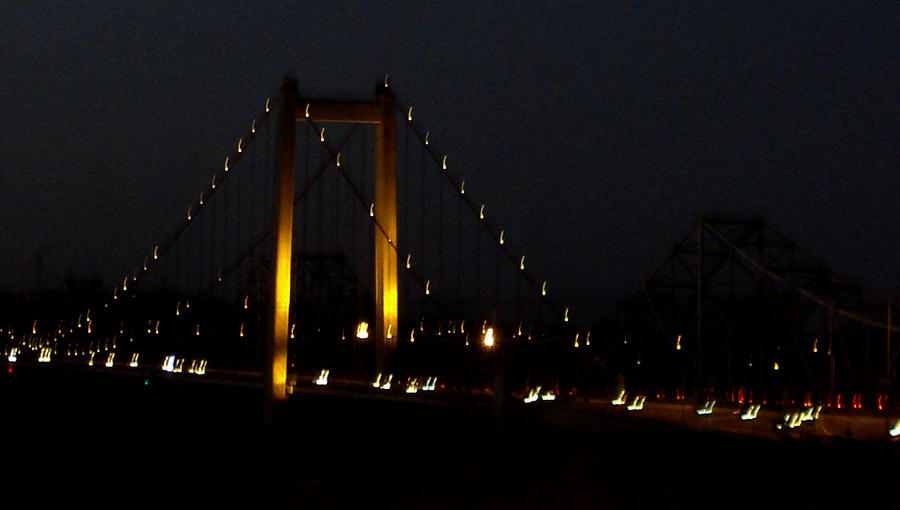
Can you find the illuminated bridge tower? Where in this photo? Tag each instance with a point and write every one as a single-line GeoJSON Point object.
{"type": "Point", "coordinates": [380, 113]}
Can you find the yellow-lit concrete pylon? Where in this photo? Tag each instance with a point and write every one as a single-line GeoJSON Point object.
{"type": "Point", "coordinates": [380, 113]}
{"type": "Point", "coordinates": [283, 226]}
{"type": "Point", "coordinates": [386, 305]}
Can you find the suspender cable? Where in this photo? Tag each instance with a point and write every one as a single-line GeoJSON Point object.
{"type": "Point", "coordinates": [240, 213]}
{"type": "Point", "coordinates": [422, 205]}
{"type": "Point", "coordinates": [440, 257]}
{"type": "Point", "coordinates": [497, 284]}
{"type": "Point", "coordinates": [299, 195]}
{"type": "Point", "coordinates": [378, 226]}
{"type": "Point", "coordinates": [319, 211]}
{"type": "Point", "coordinates": [478, 281]}
{"type": "Point", "coordinates": [405, 224]}
{"type": "Point", "coordinates": [513, 259]}
{"type": "Point", "coordinates": [458, 260]}
{"type": "Point", "coordinates": [336, 212]}
{"type": "Point", "coordinates": [304, 241]}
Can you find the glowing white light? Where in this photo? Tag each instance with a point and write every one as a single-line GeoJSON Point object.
{"type": "Point", "coordinates": [637, 404]}
{"type": "Point", "coordinates": [566, 315]}
{"type": "Point", "coordinates": [548, 395]}
{"type": "Point", "coordinates": [412, 385]}
{"type": "Point", "coordinates": [179, 364]}
{"type": "Point", "coordinates": [253, 126]}
{"type": "Point", "coordinates": [240, 141]}
{"type": "Point", "coordinates": [322, 380]}
{"type": "Point", "coordinates": [322, 136]}
{"type": "Point", "coordinates": [226, 164]}
{"type": "Point", "coordinates": [377, 383]}
{"type": "Point", "coordinates": [426, 137]}
{"type": "Point", "coordinates": [751, 412]}
{"type": "Point", "coordinates": [533, 395]}
{"type": "Point", "coordinates": [45, 355]}
{"type": "Point", "coordinates": [267, 105]}
{"type": "Point", "coordinates": [134, 360]}
{"type": "Point", "coordinates": [408, 259]}
{"type": "Point", "coordinates": [707, 408]}
{"type": "Point", "coordinates": [91, 359]}
{"type": "Point", "coordinates": [544, 288]}
{"type": "Point", "coordinates": [201, 198]}
{"type": "Point", "coordinates": [430, 383]}
{"type": "Point", "coordinates": [489, 337]}
{"type": "Point", "coordinates": [895, 431]}
{"type": "Point", "coordinates": [678, 343]}
{"type": "Point", "coordinates": [427, 287]}
{"type": "Point", "coordinates": [213, 182]}
{"type": "Point", "coordinates": [792, 419]}
{"type": "Point", "coordinates": [169, 363]}
{"type": "Point", "coordinates": [362, 330]}
{"type": "Point", "coordinates": [444, 162]}
{"type": "Point", "coordinates": [501, 237]}
{"type": "Point", "coordinates": [481, 212]}
{"type": "Point", "coordinates": [156, 252]}
{"type": "Point", "coordinates": [387, 384]}
{"type": "Point", "coordinates": [619, 400]}
{"type": "Point", "coordinates": [110, 359]}
{"type": "Point", "coordinates": [409, 114]}
{"type": "Point", "coordinates": [522, 263]}
{"type": "Point", "coordinates": [372, 210]}
{"type": "Point", "coordinates": [807, 414]}
{"type": "Point", "coordinates": [462, 187]}
{"type": "Point", "coordinates": [337, 161]}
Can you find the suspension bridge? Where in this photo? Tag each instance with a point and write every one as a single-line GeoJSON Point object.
{"type": "Point", "coordinates": [337, 250]}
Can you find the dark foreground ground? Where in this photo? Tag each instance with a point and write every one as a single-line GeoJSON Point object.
{"type": "Point", "coordinates": [103, 441]}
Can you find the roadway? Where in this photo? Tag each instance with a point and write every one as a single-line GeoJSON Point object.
{"type": "Point", "coordinates": [76, 437]}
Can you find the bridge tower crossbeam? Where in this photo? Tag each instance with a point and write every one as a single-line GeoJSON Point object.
{"type": "Point", "coordinates": [381, 114]}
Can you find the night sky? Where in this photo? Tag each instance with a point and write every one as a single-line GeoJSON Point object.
{"type": "Point", "coordinates": [597, 132]}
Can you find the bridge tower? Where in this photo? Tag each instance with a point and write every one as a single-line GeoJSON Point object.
{"type": "Point", "coordinates": [382, 114]}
